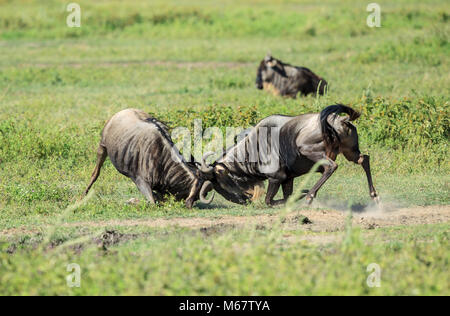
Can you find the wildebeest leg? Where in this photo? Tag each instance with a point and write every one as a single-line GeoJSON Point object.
{"type": "Point", "coordinates": [272, 190]}
{"type": "Point", "coordinates": [274, 186]}
{"type": "Point", "coordinates": [145, 189]}
{"type": "Point", "coordinates": [288, 188]}
{"type": "Point", "coordinates": [101, 156]}
{"type": "Point", "coordinates": [328, 169]}
{"type": "Point", "coordinates": [363, 160]}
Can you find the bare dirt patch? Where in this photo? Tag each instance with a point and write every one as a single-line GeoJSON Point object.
{"type": "Point", "coordinates": [313, 220]}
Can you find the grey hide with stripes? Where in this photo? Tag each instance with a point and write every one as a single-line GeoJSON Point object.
{"type": "Point", "coordinates": [281, 148]}
{"type": "Point", "coordinates": [140, 147]}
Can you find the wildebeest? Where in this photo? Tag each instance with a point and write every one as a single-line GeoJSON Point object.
{"type": "Point", "coordinates": [286, 80]}
{"type": "Point", "coordinates": [281, 148]}
{"type": "Point", "coordinates": [139, 146]}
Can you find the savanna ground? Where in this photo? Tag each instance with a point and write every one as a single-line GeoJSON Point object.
{"type": "Point", "coordinates": [186, 60]}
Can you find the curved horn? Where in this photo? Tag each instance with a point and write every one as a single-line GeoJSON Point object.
{"type": "Point", "coordinates": [205, 168]}
{"type": "Point", "coordinates": [206, 187]}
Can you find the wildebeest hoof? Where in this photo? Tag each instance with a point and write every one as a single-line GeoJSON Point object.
{"type": "Point", "coordinates": [133, 201]}
{"type": "Point", "coordinates": [309, 199]}
{"type": "Point", "coordinates": [376, 199]}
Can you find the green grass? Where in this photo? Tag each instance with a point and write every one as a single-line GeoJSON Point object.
{"type": "Point", "coordinates": [186, 60]}
{"type": "Point", "coordinates": [233, 262]}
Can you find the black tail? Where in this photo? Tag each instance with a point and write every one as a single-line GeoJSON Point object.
{"type": "Point", "coordinates": [330, 135]}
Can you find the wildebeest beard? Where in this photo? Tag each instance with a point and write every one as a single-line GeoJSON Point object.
{"type": "Point", "coordinates": [237, 187]}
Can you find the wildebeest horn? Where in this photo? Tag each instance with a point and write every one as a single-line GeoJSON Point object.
{"type": "Point", "coordinates": [205, 168]}
{"type": "Point", "coordinates": [206, 187]}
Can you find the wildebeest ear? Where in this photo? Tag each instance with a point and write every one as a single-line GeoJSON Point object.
{"type": "Point", "coordinates": [268, 57]}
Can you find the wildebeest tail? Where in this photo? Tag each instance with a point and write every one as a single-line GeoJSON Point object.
{"type": "Point", "coordinates": [330, 135]}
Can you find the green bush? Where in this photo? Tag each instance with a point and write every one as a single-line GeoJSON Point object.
{"type": "Point", "coordinates": [404, 123]}
{"type": "Point", "coordinates": [212, 116]}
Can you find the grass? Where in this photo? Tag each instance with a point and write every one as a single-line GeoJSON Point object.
{"type": "Point", "coordinates": [234, 262]}
{"type": "Point", "coordinates": [182, 61]}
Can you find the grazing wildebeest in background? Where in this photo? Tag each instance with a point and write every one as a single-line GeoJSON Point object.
{"type": "Point", "coordinates": [286, 80]}
{"type": "Point", "coordinates": [139, 146]}
{"type": "Point", "coordinates": [298, 143]}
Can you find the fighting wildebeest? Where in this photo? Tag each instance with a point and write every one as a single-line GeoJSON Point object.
{"type": "Point", "coordinates": [139, 146]}
{"type": "Point", "coordinates": [281, 148]}
{"type": "Point", "coordinates": [287, 80]}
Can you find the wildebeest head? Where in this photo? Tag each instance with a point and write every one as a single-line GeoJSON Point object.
{"type": "Point", "coordinates": [201, 187]}
{"type": "Point", "coordinates": [231, 186]}
{"type": "Point", "coordinates": [266, 71]}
